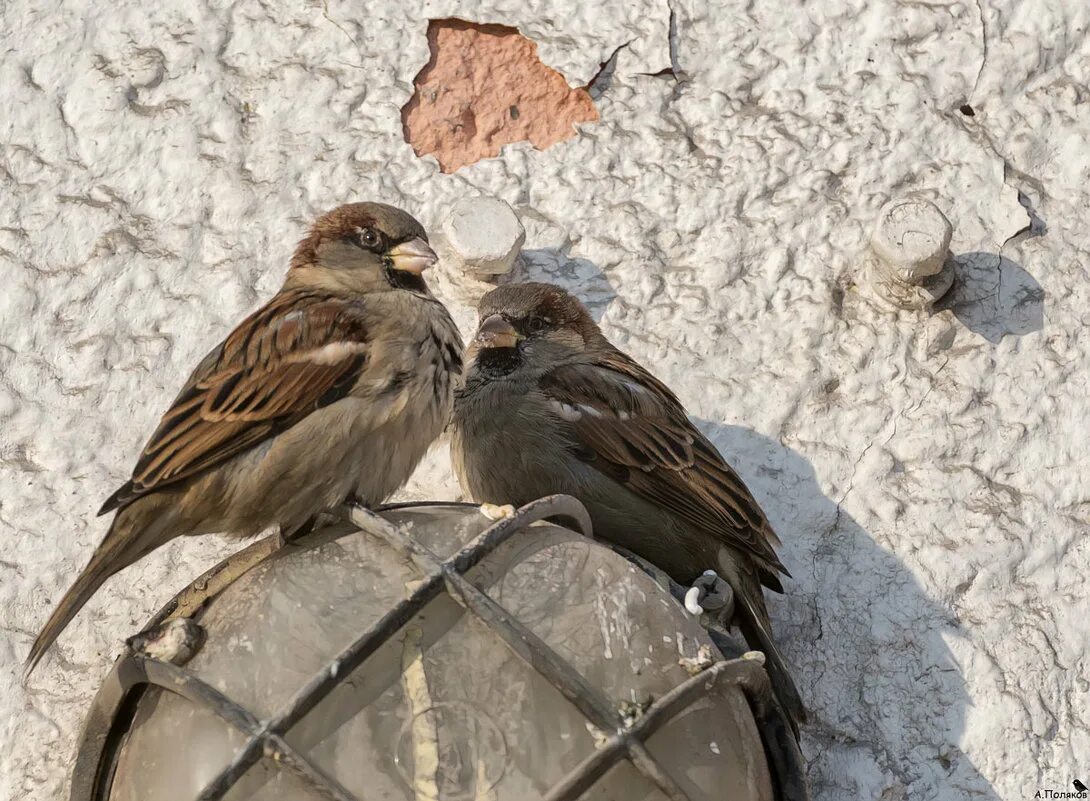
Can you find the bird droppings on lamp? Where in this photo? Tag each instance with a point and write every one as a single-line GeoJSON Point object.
{"type": "Point", "coordinates": [485, 87]}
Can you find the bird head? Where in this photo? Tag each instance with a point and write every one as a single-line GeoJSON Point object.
{"type": "Point", "coordinates": [531, 325]}
{"type": "Point", "coordinates": [362, 248]}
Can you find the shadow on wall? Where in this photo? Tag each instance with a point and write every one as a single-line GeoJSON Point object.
{"type": "Point", "coordinates": [887, 701]}
{"type": "Point", "coordinates": [994, 297]}
{"type": "Point", "coordinates": [581, 277]}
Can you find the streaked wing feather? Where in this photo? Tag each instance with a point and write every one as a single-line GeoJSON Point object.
{"type": "Point", "coordinates": [300, 352]}
{"type": "Point", "coordinates": [633, 429]}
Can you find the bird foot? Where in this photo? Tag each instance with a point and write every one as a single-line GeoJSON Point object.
{"type": "Point", "coordinates": [290, 537]}
{"type": "Point", "coordinates": [709, 593]}
{"type": "Point", "coordinates": [494, 512]}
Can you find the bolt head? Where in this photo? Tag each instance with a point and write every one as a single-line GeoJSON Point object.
{"type": "Point", "coordinates": [912, 236]}
{"type": "Point", "coordinates": [484, 234]}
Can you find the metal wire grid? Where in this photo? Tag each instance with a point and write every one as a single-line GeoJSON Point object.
{"type": "Point", "coordinates": [266, 739]}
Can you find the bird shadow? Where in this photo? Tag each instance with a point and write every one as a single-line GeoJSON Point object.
{"type": "Point", "coordinates": [994, 296]}
{"type": "Point", "coordinates": [887, 700]}
{"type": "Point", "coordinates": [581, 277]}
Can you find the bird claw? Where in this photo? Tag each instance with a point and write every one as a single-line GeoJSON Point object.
{"type": "Point", "coordinates": [709, 593]}
{"type": "Point", "coordinates": [494, 512]}
{"type": "Point", "coordinates": [291, 537]}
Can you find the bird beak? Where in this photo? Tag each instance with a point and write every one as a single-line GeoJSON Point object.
{"type": "Point", "coordinates": [496, 332]}
{"type": "Point", "coordinates": [413, 256]}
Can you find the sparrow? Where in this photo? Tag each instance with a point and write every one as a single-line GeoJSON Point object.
{"type": "Point", "coordinates": [332, 391]}
{"type": "Point", "coordinates": [549, 405]}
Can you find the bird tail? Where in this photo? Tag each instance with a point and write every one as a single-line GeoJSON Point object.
{"type": "Point", "coordinates": [752, 618]}
{"type": "Point", "coordinates": [118, 550]}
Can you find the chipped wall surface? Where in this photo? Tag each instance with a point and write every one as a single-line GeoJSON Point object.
{"type": "Point", "coordinates": [158, 163]}
{"type": "Point", "coordinates": [484, 87]}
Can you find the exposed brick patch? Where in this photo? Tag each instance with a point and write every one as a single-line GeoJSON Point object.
{"type": "Point", "coordinates": [483, 88]}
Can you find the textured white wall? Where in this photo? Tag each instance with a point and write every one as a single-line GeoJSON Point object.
{"type": "Point", "coordinates": [156, 167]}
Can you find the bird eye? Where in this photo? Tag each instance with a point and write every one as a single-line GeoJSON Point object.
{"type": "Point", "coordinates": [369, 238]}
{"type": "Point", "coordinates": [536, 324]}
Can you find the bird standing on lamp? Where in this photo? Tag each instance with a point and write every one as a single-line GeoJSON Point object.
{"type": "Point", "coordinates": [331, 391]}
{"type": "Point", "coordinates": [551, 406]}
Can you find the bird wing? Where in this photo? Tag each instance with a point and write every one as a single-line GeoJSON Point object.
{"type": "Point", "coordinates": [629, 425]}
{"type": "Point", "coordinates": [297, 354]}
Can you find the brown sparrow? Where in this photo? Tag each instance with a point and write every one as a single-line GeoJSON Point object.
{"type": "Point", "coordinates": [332, 390]}
{"type": "Point", "coordinates": [550, 406]}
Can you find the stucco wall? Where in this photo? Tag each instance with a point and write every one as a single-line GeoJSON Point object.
{"type": "Point", "coordinates": [157, 163]}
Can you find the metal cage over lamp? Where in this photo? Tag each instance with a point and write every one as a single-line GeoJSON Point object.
{"type": "Point", "coordinates": [426, 652]}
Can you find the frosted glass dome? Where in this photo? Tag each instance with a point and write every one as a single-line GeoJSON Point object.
{"type": "Point", "coordinates": [550, 670]}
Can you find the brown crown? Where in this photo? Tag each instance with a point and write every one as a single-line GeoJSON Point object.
{"type": "Point", "coordinates": [547, 300]}
{"type": "Point", "coordinates": [393, 223]}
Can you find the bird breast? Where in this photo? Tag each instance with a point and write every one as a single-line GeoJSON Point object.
{"type": "Point", "coordinates": [367, 443]}
{"type": "Point", "coordinates": [409, 403]}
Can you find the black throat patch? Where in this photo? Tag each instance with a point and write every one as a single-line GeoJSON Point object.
{"type": "Point", "coordinates": [498, 362]}
{"type": "Point", "coordinates": [405, 280]}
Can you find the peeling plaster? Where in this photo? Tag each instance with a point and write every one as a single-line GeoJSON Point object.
{"type": "Point", "coordinates": [924, 472]}
{"type": "Point", "coordinates": [484, 88]}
